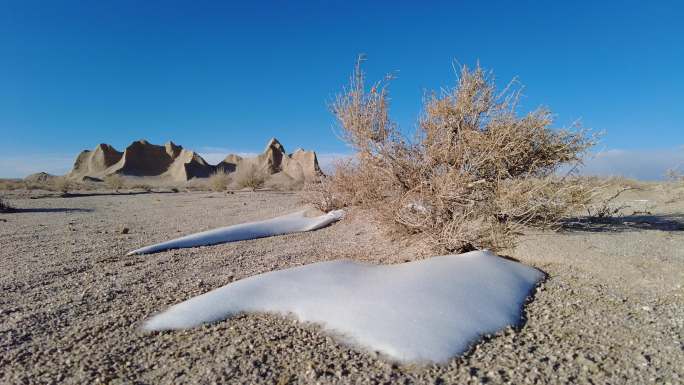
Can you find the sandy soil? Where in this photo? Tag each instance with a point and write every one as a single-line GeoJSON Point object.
{"type": "Point", "coordinates": [611, 311]}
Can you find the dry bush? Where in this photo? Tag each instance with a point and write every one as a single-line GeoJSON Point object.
{"type": "Point", "coordinates": [475, 173]}
{"type": "Point", "coordinates": [114, 182]}
{"type": "Point", "coordinates": [250, 178]}
{"type": "Point", "coordinates": [5, 207]}
{"type": "Point", "coordinates": [349, 185]}
{"type": "Point", "coordinates": [604, 209]}
{"type": "Point", "coordinates": [12, 184]}
{"type": "Point", "coordinates": [63, 184]}
{"type": "Point", "coordinates": [196, 187]}
{"type": "Point", "coordinates": [620, 182]}
{"type": "Point", "coordinates": [219, 180]}
{"type": "Point", "coordinates": [285, 184]}
{"type": "Point", "coordinates": [142, 186]}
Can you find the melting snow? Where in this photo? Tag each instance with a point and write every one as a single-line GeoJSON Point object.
{"type": "Point", "coordinates": [429, 310]}
{"type": "Point", "coordinates": [291, 223]}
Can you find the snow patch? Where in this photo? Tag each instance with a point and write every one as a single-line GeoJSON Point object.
{"type": "Point", "coordinates": [428, 310]}
{"type": "Point", "coordinates": [291, 223]}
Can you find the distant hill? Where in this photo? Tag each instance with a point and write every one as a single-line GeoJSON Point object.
{"type": "Point", "coordinates": [174, 163]}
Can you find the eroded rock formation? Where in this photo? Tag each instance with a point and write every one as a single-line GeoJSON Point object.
{"type": "Point", "coordinates": [173, 162]}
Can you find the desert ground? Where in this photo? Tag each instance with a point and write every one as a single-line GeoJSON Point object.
{"type": "Point", "coordinates": [610, 311]}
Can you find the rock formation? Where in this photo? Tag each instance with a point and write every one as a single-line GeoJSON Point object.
{"type": "Point", "coordinates": [172, 162]}
{"type": "Point", "coordinates": [39, 177]}
{"type": "Point", "coordinates": [141, 159]}
{"type": "Point", "coordinates": [95, 163]}
{"type": "Point", "coordinates": [276, 164]}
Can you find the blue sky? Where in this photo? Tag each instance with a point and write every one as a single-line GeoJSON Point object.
{"type": "Point", "coordinates": [226, 76]}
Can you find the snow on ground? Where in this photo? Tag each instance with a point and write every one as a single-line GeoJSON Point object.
{"type": "Point", "coordinates": [291, 223]}
{"type": "Point", "coordinates": [428, 310]}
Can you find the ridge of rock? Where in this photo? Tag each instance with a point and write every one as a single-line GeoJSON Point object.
{"type": "Point", "coordinates": [172, 162]}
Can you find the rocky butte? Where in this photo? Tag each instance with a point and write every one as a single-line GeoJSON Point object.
{"type": "Point", "coordinates": [172, 162]}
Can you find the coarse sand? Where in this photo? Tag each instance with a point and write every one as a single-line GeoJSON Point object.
{"type": "Point", "coordinates": [610, 311]}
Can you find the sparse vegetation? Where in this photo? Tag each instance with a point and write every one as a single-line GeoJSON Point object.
{"type": "Point", "coordinates": [474, 174]}
{"type": "Point", "coordinates": [674, 175]}
{"type": "Point", "coordinates": [142, 186]}
{"type": "Point", "coordinates": [250, 178]}
{"type": "Point", "coordinates": [63, 184]}
{"type": "Point", "coordinates": [219, 181]}
{"type": "Point", "coordinates": [54, 184]}
{"type": "Point", "coordinates": [114, 182]}
{"type": "Point", "coordinates": [604, 209]}
{"type": "Point", "coordinates": [5, 207]}
{"type": "Point", "coordinates": [12, 184]}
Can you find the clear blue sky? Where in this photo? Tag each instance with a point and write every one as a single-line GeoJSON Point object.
{"type": "Point", "coordinates": [229, 75]}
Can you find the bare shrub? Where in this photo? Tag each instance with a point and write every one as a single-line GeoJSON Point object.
{"type": "Point", "coordinates": [219, 180]}
{"type": "Point", "coordinates": [142, 186]}
{"type": "Point", "coordinates": [196, 187]}
{"type": "Point", "coordinates": [12, 184]}
{"type": "Point", "coordinates": [5, 207]}
{"type": "Point", "coordinates": [286, 184]}
{"type": "Point", "coordinates": [63, 184]}
{"type": "Point", "coordinates": [250, 178]}
{"type": "Point", "coordinates": [474, 174]}
{"type": "Point", "coordinates": [114, 182]}
{"type": "Point", "coordinates": [605, 209]}
{"type": "Point", "coordinates": [347, 186]}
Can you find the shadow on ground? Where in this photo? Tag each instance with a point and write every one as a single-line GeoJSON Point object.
{"type": "Point", "coordinates": [661, 222]}
{"type": "Point", "coordinates": [97, 194]}
{"type": "Point", "coordinates": [49, 210]}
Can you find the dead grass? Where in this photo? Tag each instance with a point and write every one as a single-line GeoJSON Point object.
{"type": "Point", "coordinates": [472, 176]}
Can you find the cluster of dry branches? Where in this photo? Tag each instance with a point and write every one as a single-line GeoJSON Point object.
{"type": "Point", "coordinates": [219, 180]}
{"type": "Point", "coordinates": [250, 178]}
{"type": "Point", "coordinates": [473, 175]}
{"type": "Point", "coordinates": [5, 207]}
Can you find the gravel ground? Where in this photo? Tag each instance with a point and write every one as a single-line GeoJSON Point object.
{"type": "Point", "coordinates": [611, 310]}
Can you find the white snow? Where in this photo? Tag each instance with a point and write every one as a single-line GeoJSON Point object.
{"type": "Point", "coordinates": [291, 223]}
{"type": "Point", "coordinates": [429, 310]}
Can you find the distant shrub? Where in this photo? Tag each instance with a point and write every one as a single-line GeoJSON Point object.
{"type": "Point", "coordinates": [344, 187]}
{"type": "Point", "coordinates": [286, 184]}
{"type": "Point", "coordinates": [607, 208]}
{"type": "Point", "coordinates": [219, 180]}
{"type": "Point", "coordinates": [63, 184]}
{"type": "Point", "coordinates": [10, 184]}
{"type": "Point", "coordinates": [140, 186]}
{"type": "Point", "coordinates": [114, 182]}
{"type": "Point", "coordinates": [475, 173]}
{"type": "Point", "coordinates": [250, 178]}
{"type": "Point", "coordinates": [674, 175]}
{"type": "Point", "coordinates": [5, 207]}
{"type": "Point", "coordinates": [145, 187]}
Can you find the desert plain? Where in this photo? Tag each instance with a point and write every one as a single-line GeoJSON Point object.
{"type": "Point", "coordinates": [611, 309]}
